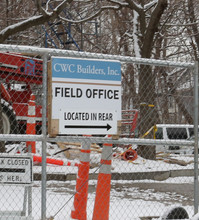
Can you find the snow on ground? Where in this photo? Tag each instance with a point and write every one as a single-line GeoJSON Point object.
{"type": "Point", "coordinates": [126, 203]}
{"type": "Point", "coordinates": [118, 165]}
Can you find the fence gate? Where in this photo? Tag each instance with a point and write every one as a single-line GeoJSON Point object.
{"type": "Point", "coordinates": [120, 142]}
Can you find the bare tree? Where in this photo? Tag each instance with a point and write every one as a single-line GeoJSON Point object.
{"type": "Point", "coordinates": [142, 28]}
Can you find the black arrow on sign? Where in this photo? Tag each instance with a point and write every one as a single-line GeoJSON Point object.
{"type": "Point", "coordinates": [89, 126]}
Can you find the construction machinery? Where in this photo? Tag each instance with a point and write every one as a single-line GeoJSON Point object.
{"type": "Point", "coordinates": [20, 76]}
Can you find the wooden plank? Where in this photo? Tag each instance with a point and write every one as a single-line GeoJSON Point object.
{"type": "Point", "coordinates": [73, 151]}
{"type": "Point", "coordinates": [53, 124]}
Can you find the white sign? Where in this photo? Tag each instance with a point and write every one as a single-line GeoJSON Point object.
{"type": "Point", "coordinates": [86, 95]}
{"type": "Point", "coordinates": [16, 169]}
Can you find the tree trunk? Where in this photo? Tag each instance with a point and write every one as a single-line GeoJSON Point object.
{"type": "Point", "coordinates": [147, 94]}
{"type": "Point", "coordinates": [148, 113]}
{"type": "Point", "coordinates": [193, 19]}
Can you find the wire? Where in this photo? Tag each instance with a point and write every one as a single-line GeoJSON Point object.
{"type": "Point", "coordinates": [80, 187]}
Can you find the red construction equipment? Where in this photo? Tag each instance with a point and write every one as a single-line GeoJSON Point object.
{"type": "Point", "coordinates": [20, 76]}
{"type": "Point", "coordinates": [129, 123]}
{"type": "Point", "coordinates": [130, 154]}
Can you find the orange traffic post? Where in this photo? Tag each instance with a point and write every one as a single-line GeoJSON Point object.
{"type": "Point", "coordinates": [38, 159]}
{"type": "Point", "coordinates": [81, 196]}
{"type": "Point", "coordinates": [102, 199]}
{"type": "Point", "coordinates": [31, 123]}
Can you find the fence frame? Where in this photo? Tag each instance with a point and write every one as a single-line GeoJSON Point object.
{"type": "Point", "coordinates": [44, 138]}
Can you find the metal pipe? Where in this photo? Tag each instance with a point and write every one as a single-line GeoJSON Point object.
{"type": "Point", "coordinates": [44, 141]}
{"type": "Point", "coordinates": [20, 137]}
{"type": "Point", "coordinates": [124, 141]}
{"type": "Point", "coordinates": [196, 138]}
{"type": "Point", "coordinates": [59, 52]}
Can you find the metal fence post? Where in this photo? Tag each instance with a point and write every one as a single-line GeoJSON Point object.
{"type": "Point", "coordinates": [196, 137]}
{"type": "Point", "coordinates": [44, 132]}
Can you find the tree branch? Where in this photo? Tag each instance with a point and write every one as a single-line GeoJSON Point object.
{"type": "Point", "coordinates": [38, 5]}
{"type": "Point", "coordinates": [103, 8]}
{"type": "Point", "coordinates": [134, 6]}
{"type": "Point", "coordinates": [193, 20]}
{"type": "Point", "coordinates": [153, 28]}
{"type": "Point", "coordinates": [33, 21]}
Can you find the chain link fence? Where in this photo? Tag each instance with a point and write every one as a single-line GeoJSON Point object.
{"type": "Point", "coordinates": [148, 170]}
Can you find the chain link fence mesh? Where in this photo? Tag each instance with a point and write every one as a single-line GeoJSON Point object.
{"type": "Point", "coordinates": [138, 174]}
